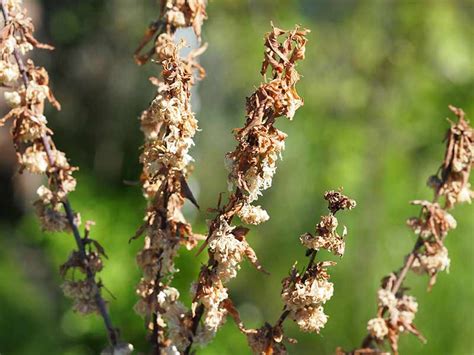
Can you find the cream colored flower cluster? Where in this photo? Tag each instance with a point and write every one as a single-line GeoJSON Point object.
{"type": "Point", "coordinates": [305, 293]}
{"type": "Point", "coordinates": [400, 314]}
{"type": "Point", "coordinates": [227, 248]}
{"type": "Point", "coordinates": [432, 226]}
{"type": "Point", "coordinates": [304, 296]}
{"type": "Point", "coordinates": [169, 126]}
{"type": "Point", "coordinates": [212, 294]}
{"type": "Point", "coordinates": [452, 183]}
{"type": "Point", "coordinates": [252, 164]}
{"type": "Point", "coordinates": [171, 314]}
{"type": "Point", "coordinates": [326, 236]}
{"type": "Point", "coordinates": [35, 150]}
{"type": "Point", "coordinates": [434, 222]}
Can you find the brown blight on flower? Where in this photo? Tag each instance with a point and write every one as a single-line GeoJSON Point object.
{"type": "Point", "coordinates": [266, 340]}
{"type": "Point", "coordinates": [251, 166]}
{"type": "Point", "coordinates": [452, 180]}
{"type": "Point", "coordinates": [434, 221]}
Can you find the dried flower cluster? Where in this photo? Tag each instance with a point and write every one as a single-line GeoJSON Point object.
{"type": "Point", "coordinates": [305, 293]}
{"type": "Point", "coordinates": [169, 126]}
{"type": "Point", "coordinates": [37, 154]}
{"type": "Point", "coordinates": [252, 165]}
{"type": "Point", "coordinates": [400, 312]}
{"type": "Point", "coordinates": [174, 14]}
{"type": "Point", "coordinates": [396, 310]}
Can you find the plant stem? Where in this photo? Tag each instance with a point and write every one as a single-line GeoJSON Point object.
{"type": "Point", "coordinates": [196, 319]}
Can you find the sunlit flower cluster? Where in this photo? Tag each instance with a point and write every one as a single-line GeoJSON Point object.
{"type": "Point", "coordinates": [432, 226]}
{"type": "Point", "coordinates": [434, 221]}
{"type": "Point", "coordinates": [169, 126]}
{"type": "Point", "coordinates": [326, 236]}
{"type": "Point", "coordinates": [399, 315]}
{"type": "Point", "coordinates": [304, 293]}
{"type": "Point", "coordinates": [304, 296]}
{"type": "Point", "coordinates": [252, 165]}
{"type": "Point", "coordinates": [35, 150]}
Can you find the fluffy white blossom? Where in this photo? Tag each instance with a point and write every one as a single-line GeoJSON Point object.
{"type": "Point", "coordinates": [310, 319]}
{"type": "Point", "coordinates": [377, 327]}
{"type": "Point", "coordinates": [253, 214]}
{"type": "Point", "coordinates": [12, 98]}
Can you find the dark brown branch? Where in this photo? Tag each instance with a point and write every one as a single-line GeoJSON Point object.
{"type": "Point", "coordinates": [45, 139]}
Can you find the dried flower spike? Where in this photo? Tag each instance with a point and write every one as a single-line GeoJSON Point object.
{"type": "Point", "coordinates": [396, 310]}
{"type": "Point", "coordinates": [169, 126]}
{"type": "Point", "coordinates": [37, 154]}
{"type": "Point", "coordinates": [303, 293]}
{"type": "Point", "coordinates": [252, 165]}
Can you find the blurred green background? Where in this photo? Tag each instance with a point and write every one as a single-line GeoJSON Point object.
{"type": "Point", "coordinates": [377, 80]}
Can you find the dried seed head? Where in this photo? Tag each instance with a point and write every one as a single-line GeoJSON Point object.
{"type": "Point", "coordinates": [82, 292]}
{"type": "Point", "coordinates": [177, 13]}
{"type": "Point", "coordinates": [310, 319]}
{"type": "Point", "coordinates": [326, 236]}
{"type": "Point", "coordinates": [431, 260]}
{"type": "Point", "coordinates": [337, 201]}
{"type": "Point", "coordinates": [265, 341]}
{"type": "Point", "coordinates": [453, 180]}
